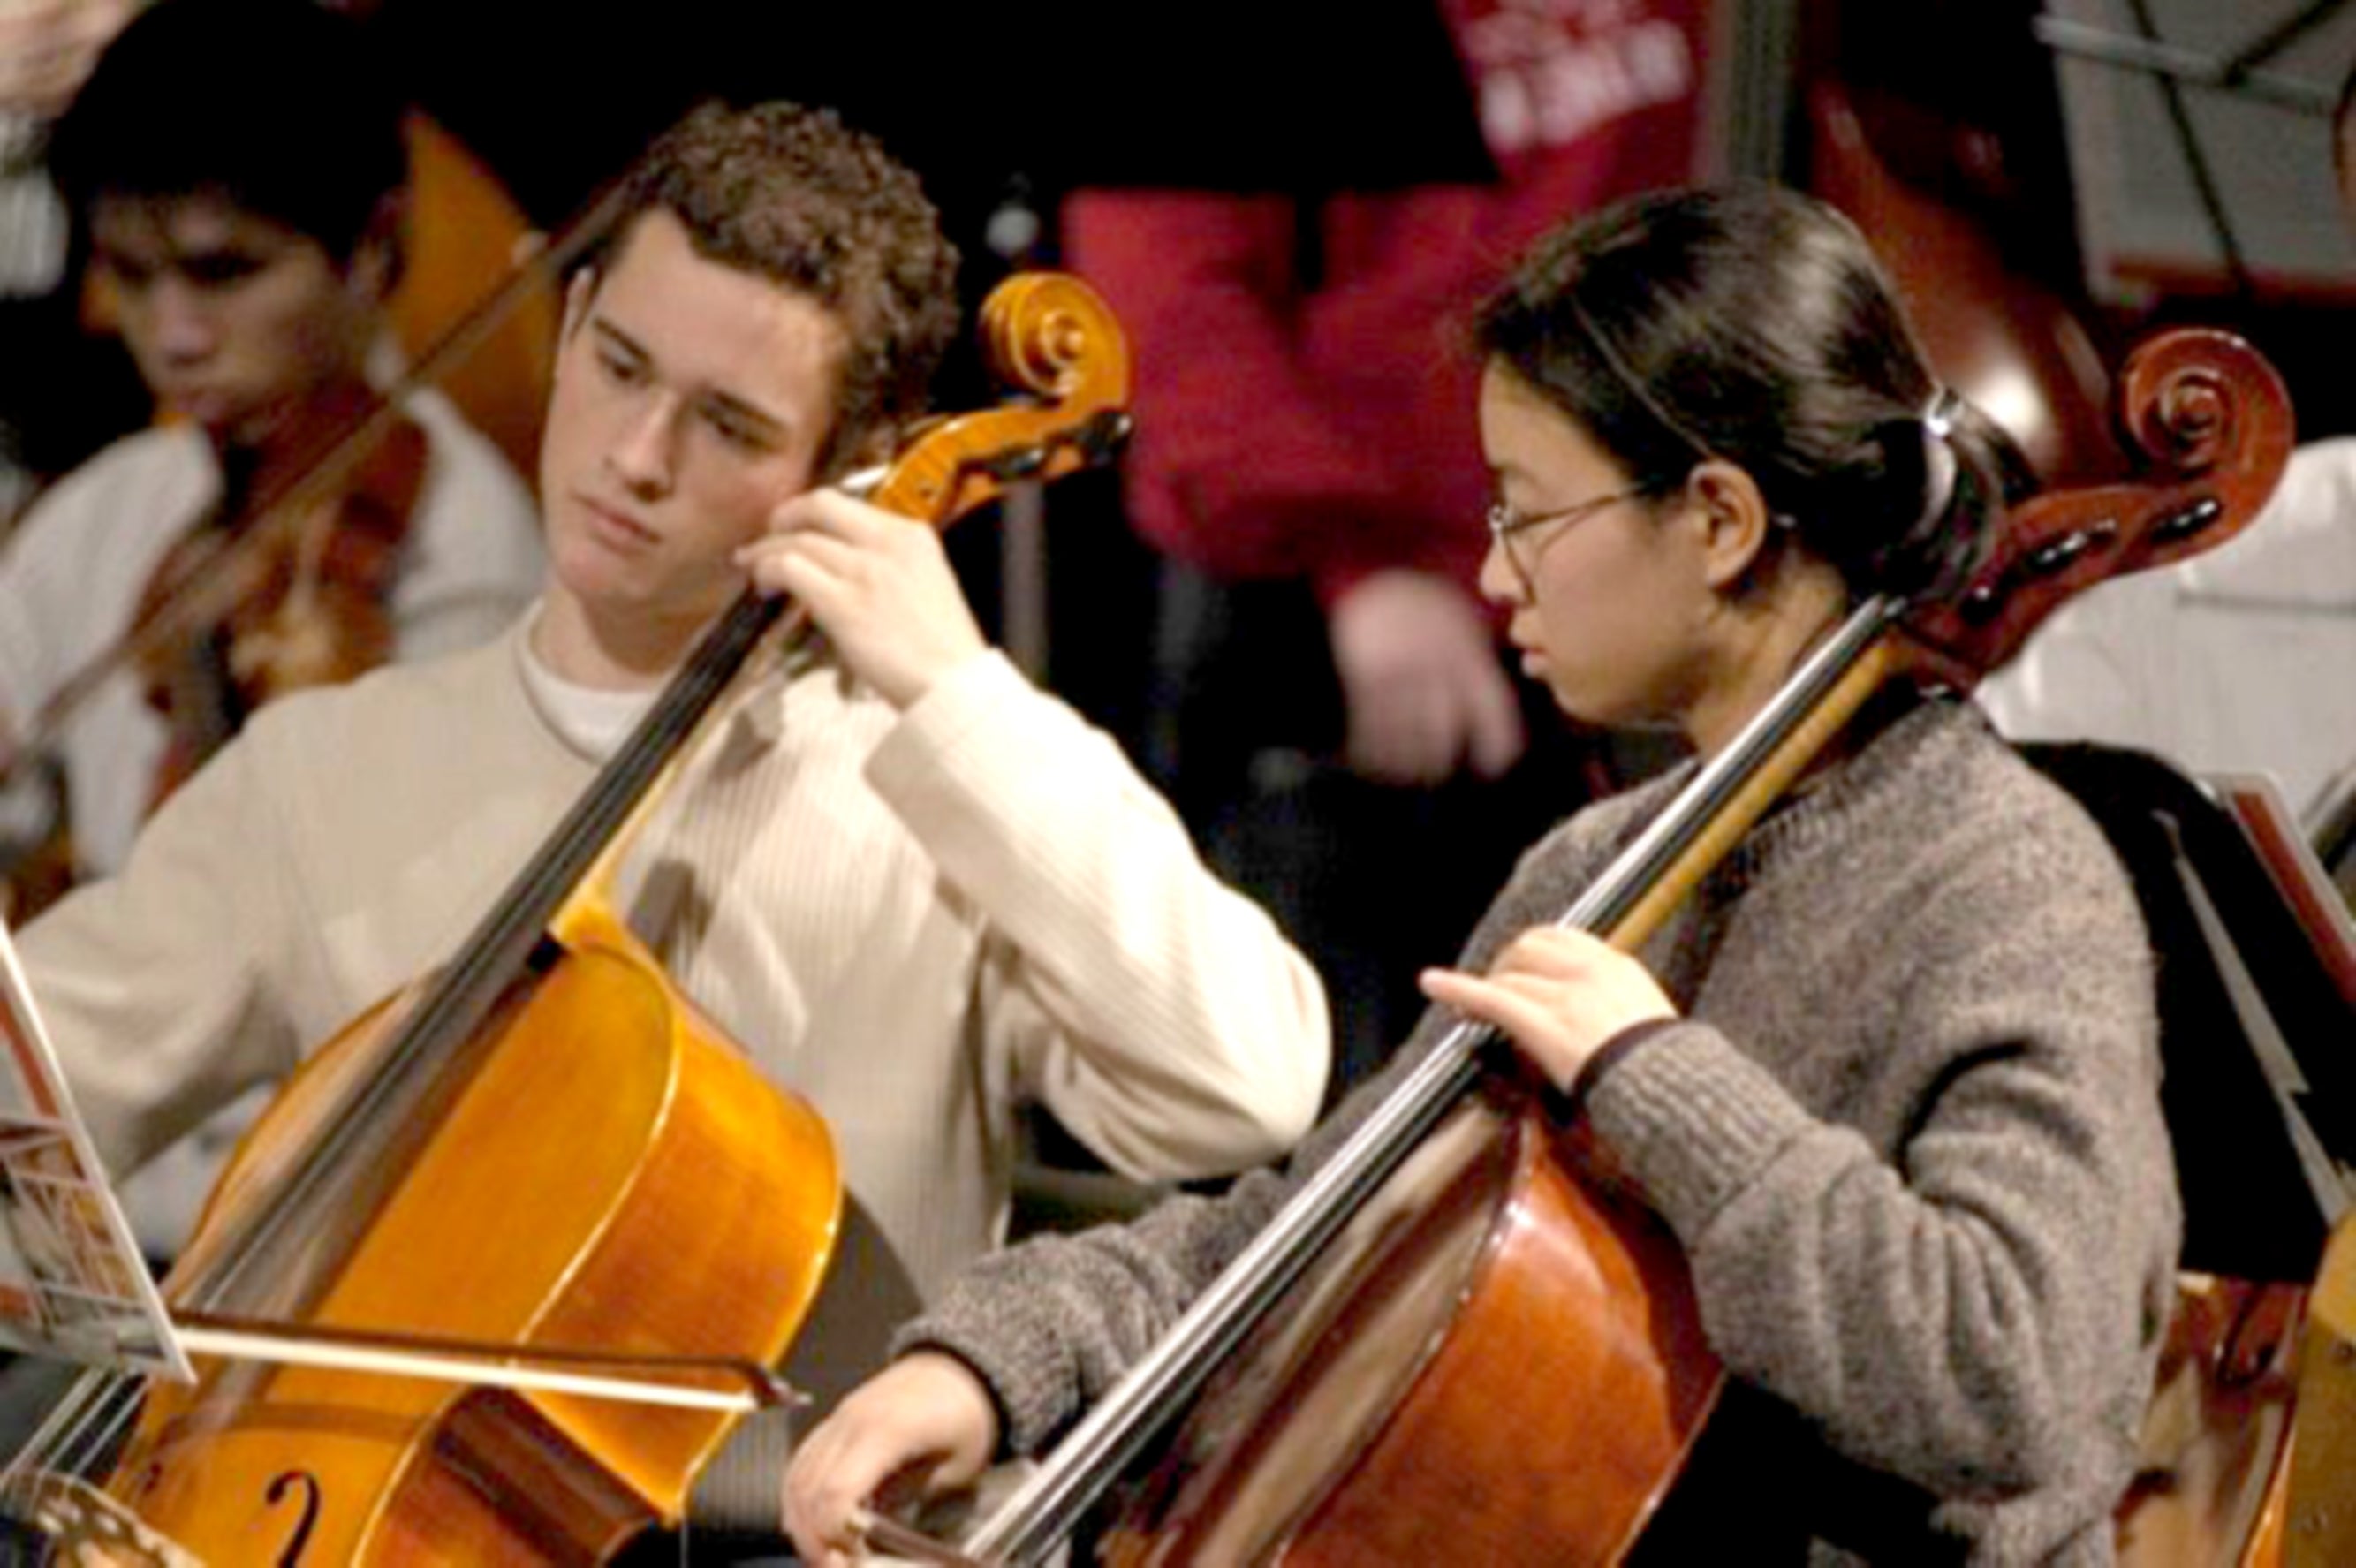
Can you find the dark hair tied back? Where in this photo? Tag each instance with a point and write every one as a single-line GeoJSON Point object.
{"type": "Point", "coordinates": [1961, 468]}
{"type": "Point", "coordinates": [1751, 324]}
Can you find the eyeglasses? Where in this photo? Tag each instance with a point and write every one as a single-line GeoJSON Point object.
{"type": "Point", "coordinates": [1505, 522]}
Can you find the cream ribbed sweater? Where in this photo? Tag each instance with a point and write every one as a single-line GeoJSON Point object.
{"type": "Point", "coordinates": [913, 920]}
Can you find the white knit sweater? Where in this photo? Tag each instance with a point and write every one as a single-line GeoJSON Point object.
{"type": "Point", "coordinates": [913, 920]}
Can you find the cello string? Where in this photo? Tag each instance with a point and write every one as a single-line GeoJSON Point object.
{"type": "Point", "coordinates": [104, 1432]}
{"type": "Point", "coordinates": [84, 1422]}
{"type": "Point", "coordinates": [62, 1433]}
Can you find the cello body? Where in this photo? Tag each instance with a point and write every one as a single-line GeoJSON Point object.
{"type": "Point", "coordinates": [1403, 1438]}
{"type": "Point", "coordinates": [468, 237]}
{"type": "Point", "coordinates": [614, 1174]}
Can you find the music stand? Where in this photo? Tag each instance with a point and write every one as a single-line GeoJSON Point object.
{"type": "Point", "coordinates": [2228, 111]}
{"type": "Point", "coordinates": [2259, 1086]}
{"type": "Point", "coordinates": [72, 1284]}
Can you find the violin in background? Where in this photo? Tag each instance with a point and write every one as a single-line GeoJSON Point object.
{"type": "Point", "coordinates": [286, 581]}
{"type": "Point", "coordinates": [311, 600]}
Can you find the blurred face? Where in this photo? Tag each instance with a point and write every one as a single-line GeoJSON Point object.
{"type": "Point", "coordinates": [689, 400]}
{"type": "Point", "coordinates": [1608, 601]}
{"type": "Point", "coordinates": [233, 319]}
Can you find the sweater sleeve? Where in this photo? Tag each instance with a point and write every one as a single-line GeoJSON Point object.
{"type": "Point", "coordinates": [1971, 1314]}
{"type": "Point", "coordinates": [1159, 1013]}
{"type": "Point", "coordinates": [154, 983]}
{"type": "Point", "coordinates": [1052, 1324]}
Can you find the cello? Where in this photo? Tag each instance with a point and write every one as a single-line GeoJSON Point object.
{"type": "Point", "coordinates": [2249, 1416]}
{"type": "Point", "coordinates": [1456, 1313]}
{"type": "Point", "coordinates": [376, 1199]}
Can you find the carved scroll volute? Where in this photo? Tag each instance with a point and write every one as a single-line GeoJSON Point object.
{"type": "Point", "coordinates": [1052, 340]}
{"type": "Point", "coordinates": [2209, 425]}
{"type": "Point", "coordinates": [2206, 403]}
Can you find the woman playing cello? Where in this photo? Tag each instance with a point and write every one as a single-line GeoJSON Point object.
{"type": "Point", "coordinates": [1889, 1076]}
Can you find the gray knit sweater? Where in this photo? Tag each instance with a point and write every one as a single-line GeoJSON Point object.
{"type": "Point", "coordinates": [1910, 1140]}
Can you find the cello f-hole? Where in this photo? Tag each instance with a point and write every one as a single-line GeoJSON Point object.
{"type": "Point", "coordinates": [293, 1555]}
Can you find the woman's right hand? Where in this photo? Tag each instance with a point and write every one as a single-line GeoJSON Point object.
{"type": "Point", "coordinates": [922, 1426]}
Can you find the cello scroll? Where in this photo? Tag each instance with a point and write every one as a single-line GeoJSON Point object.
{"type": "Point", "coordinates": [2211, 422]}
{"type": "Point", "coordinates": [1052, 338]}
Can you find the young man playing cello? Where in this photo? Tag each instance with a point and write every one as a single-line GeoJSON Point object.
{"type": "Point", "coordinates": [917, 890]}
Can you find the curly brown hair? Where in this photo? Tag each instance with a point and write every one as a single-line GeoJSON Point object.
{"type": "Point", "coordinates": [795, 196]}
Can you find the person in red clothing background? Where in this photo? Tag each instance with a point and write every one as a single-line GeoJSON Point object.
{"type": "Point", "coordinates": [1304, 423]}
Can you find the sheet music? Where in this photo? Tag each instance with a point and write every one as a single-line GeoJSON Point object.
{"type": "Point", "coordinates": [72, 1284]}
